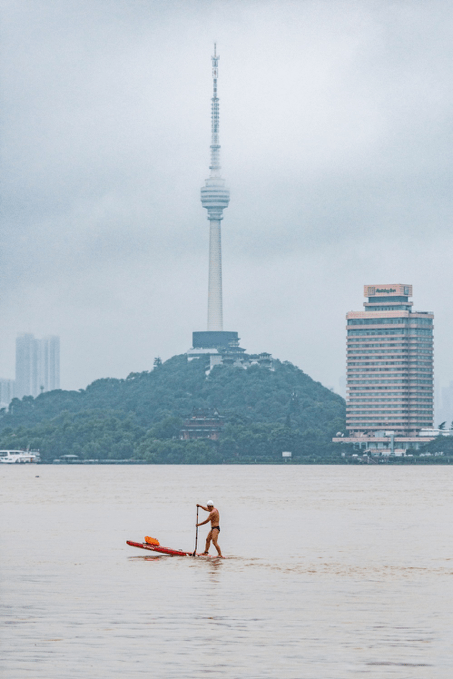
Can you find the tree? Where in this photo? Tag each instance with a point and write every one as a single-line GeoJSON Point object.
{"type": "Point", "coordinates": [141, 416]}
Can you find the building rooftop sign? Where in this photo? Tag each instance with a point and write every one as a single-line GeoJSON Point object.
{"type": "Point", "coordinates": [397, 289]}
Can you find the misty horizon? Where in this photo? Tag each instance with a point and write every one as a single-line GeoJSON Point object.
{"type": "Point", "coordinates": [335, 123]}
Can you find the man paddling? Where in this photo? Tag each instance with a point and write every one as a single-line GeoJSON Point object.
{"type": "Point", "coordinates": [214, 518]}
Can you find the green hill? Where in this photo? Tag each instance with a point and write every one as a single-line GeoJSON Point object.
{"type": "Point", "coordinates": [139, 417]}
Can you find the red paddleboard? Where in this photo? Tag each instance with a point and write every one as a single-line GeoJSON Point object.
{"type": "Point", "coordinates": [166, 550]}
{"type": "Point", "coordinates": [154, 548]}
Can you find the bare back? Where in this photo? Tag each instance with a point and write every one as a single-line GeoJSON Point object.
{"type": "Point", "coordinates": [214, 517]}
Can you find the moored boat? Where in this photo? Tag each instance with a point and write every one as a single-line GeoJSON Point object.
{"type": "Point", "coordinates": [19, 456]}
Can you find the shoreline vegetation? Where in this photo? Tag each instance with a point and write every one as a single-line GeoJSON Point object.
{"type": "Point", "coordinates": [392, 461]}
{"type": "Point", "coordinates": [139, 420]}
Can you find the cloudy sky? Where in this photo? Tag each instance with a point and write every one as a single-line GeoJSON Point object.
{"type": "Point", "coordinates": [336, 133]}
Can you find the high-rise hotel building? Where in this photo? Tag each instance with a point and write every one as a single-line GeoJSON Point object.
{"type": "Point", "coordinates": [389, 364]}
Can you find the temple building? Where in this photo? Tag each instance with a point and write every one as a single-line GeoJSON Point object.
{"type": "Point", "coordinates": [203, 423]}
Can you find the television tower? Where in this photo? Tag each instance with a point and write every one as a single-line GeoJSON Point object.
{"type": "Point", "coordinates": [216, 344]}
{"type": "Point", "coordinates": [215, 198]}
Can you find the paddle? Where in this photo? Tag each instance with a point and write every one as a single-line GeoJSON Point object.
{"type": "Point", "coordinates": [196, 537]}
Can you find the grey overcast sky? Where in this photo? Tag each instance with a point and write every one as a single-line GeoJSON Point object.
{"type": "Point", "coordinates": [336, 133]}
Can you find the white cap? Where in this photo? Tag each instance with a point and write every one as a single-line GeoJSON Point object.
{"type": "Point", "coordinates": [209, 503]}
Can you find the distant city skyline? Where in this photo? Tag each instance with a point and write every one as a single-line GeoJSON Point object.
{"type": "Point", "coordinates": [6, 391]}
{"type": "Point", "coordinates": [37, 368]}
{"type": "Point", "coordinates": [37, 365]}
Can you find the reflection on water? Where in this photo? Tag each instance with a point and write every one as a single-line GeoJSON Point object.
{"type": "Point", "coordinates": [332, 572]}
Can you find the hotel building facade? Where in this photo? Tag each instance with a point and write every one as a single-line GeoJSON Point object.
{"type": "Point", "coordinates": [389, 380]}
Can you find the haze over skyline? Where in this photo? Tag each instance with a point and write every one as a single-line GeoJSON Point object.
{"type": "Point", "coordinates": [336, 132]}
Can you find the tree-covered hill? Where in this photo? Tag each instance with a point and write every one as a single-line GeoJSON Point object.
{"type": "Point", "coordinates": [140, 416]}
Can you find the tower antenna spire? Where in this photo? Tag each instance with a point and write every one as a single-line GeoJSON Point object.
{"type": "Point", "coordinates": [215, 198]}
{"type": "Point", "coordinates": [215, 118]}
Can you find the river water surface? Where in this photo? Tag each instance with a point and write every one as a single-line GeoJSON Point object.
{"type": "Point", "coordinates": [332, 572]}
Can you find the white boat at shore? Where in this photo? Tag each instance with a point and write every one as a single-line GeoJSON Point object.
{"type": "Point", "coordinates": [19, 456]}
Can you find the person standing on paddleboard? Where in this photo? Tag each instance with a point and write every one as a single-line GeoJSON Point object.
{"type": "Point", "coordinates": [214, 518]}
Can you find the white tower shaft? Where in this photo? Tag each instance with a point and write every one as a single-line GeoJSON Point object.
{"type": "Point", "coordinates": [215, 198]}
{"type": "Point", "coordinates": [215, 312]}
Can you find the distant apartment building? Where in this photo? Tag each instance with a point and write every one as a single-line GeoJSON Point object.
{"type": "Point", "coordinates": [444, 411]}
{"type": "Point", "coordinates": [37, 365]}
{"type": "Point", "coordinates": [49, 363]}
{"type": "Point", "coordinates": [389, 364]}
{"type": "Point", "coordinates": [7, 392]}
